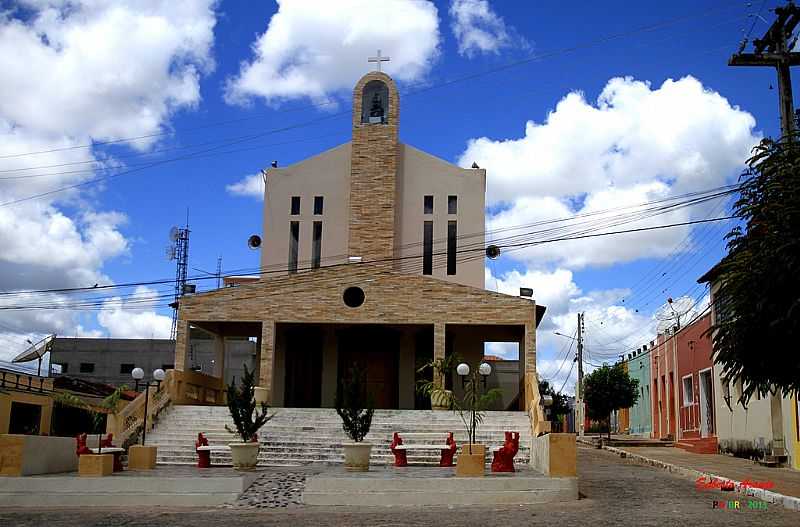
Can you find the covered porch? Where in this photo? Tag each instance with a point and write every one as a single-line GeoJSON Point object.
{"type": "Point", "coordinates": [308, 336]}
{"type": "Point", "coordinates": [310, 359]}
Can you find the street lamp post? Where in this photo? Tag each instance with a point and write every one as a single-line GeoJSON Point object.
{"type": "Point", "coordinates": [484, 370]}
{"type": "Point", "coordinates": [138, 375]}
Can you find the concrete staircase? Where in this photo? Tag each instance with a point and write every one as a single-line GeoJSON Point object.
{"type": "Point", "coordinates": [301, 436]}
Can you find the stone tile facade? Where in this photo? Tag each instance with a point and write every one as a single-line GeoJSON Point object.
{"type": "Point", "coordinates": [373, 176]}
{"type": "Point", "coordinates": [390, 298]}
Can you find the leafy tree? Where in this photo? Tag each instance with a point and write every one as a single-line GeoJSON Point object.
{"type": "Point", "coordinates": [758, 300]}
{"type": "Point", "coordinates": [560, 404]}
{"type": "Point", "coordinates": [609, 388]}
{"type": "Point", "coordinates": [242, 405]}
{"type": "Point", "coordinates": [354, 405]}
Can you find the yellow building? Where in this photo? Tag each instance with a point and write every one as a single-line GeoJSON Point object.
{"type": "Point", "coordinates": [26, 405]}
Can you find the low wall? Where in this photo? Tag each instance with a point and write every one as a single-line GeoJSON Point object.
{"type": "Point", "coordinates": [555, 455]}
{"type": "Point", "coordinates": [25, 455]}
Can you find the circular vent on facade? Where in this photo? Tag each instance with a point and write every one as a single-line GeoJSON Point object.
{"type": "Point", "coordinates": [353, 296]}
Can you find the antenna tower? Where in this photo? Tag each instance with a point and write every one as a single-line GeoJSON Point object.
{"type": "Point", "coordinates": [178, 251]}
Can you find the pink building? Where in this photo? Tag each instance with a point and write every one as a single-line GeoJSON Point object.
{"type": "Point", "coordinates": [682, 387]}
{"type": "Point", "coordinates": [663, 358]}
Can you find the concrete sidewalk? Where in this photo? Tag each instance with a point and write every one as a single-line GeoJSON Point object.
{"type": "Point", "coordinates": [786, 480]}
{"type": "Point", "coordinates": [783, 483]}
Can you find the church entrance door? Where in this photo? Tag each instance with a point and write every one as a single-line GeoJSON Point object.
{"type": "Point", "coordinates": [303, 368]}
{"type": "Point", "coordinates": [376, 350]}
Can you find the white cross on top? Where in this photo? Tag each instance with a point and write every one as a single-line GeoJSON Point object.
{"type": "Point", "coordinates": [378, 59]}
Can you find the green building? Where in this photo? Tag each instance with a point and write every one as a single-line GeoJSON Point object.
{"type": "Point", "coordinates": [640, 420]}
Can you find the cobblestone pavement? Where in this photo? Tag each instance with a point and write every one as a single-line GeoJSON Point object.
{"type": "Point", "coordinates": [614, 492]}
{"type": "Point", "coordinates": [272, 490]}
{"type": "Point", "coordinates": [786, 481]}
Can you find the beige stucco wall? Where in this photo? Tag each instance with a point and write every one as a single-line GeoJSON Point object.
{"type": "Point", "coordinates": [422, 174]}
{"type": "Point", "coordinates": [373, 189]}
{"type": "Point", "coordinates": [741, 428]}
{"type": "Point", "coordinates": [327, 175]}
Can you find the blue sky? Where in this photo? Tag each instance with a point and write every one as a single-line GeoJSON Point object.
{"type": "Point", "coordinates": [192, 74]}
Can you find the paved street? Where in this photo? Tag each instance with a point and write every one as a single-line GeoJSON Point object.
{"type": "Point", "coordinates": [615, 492]}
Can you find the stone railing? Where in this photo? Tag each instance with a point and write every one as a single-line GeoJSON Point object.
{"type": "Point", "coordinates": [539, 424]}
{"type": "Point", "coordinates": [191, 387]}
{"type": "Point", "coordinates": [129, 421]}
{"type": "Point", "coordinates": [14, 380]}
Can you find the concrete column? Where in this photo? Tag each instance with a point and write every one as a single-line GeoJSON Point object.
{"type": "Point", "coordinates": [182, 346]}
{"type": "Point", "coordinates": [405, 372]}
{"type": "Point", "coordinates": [219, 357]}
{"type": "Point", "coordinates": [5, 413]}
{"type": "Point", "coordinates": [330, 367]}
{"type": "Point", "coordinates": [529, 345]}
{"type": "Point", "coordinates": [776, 421]}
{"type": "Point", "coordinates": [438, 347]}
{"type": "Point", "coordinates": [265, 381]}
{"type": "Point", "coordinates": [257, 359]}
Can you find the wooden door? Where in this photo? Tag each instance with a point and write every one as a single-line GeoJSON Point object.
{"type": "Point", "coordinates": [374, 350]}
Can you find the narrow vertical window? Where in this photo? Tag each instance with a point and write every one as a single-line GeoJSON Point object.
{"type": "Point", "coordinates": [451, 247]}
{"type": "Point", "coordinates": [317, 205]}
{"type": "Point", "coordinates": [316, 248]}
{"type": "Point", "coordinates": [427, 248]}
{"type": "Point", "coordinates": [428, 205]}
{"type": "Point", "coordinates": [295, 205]}
{"type": "Point", "coordinates": [294, 243]}
{"type": "Point", "coordinates": [452, 204]}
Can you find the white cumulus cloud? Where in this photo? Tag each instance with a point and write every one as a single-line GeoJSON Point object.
{"type": "Point", "coordinates": [478, 29]}
{"type": "Point", "coordinates": [134, 318]}
{"type": "Point", "coordinates": [75, 73]}
{"type": "Point", "coordinates": [313, 48]}
{"type": "Point", "coordinates": [636, 143]}
{"type": "Point", "coordinates": [250, 186]}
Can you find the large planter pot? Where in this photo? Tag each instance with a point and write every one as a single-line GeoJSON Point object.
{"type": "Point", "coordinates": [244, 455]}
{"type": "Point", "coordinates": [471, 464]}
{"type": "Point", "coordinates": [142, 457]}
{"type": "Point", "coordinates": [440, 399]}
{"type": "Point", "coordinates": [356, 456]}
{"type": "Point", "coordinates": [94, 465]}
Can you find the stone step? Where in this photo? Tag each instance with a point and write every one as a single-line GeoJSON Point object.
{"type": "Point", "coordinates": [305, 436]}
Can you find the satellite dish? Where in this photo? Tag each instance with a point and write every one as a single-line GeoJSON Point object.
{"type": "Point", "coordinates": [174, 234]}
{"type": "Point", "coordinates": [169, 252]}
{"type": "Point", "coordinates": [36, 351]}
{"type": "Point", "coordinates": [254, 241]}
{"type": "Point", "coordinates": [492, 252]}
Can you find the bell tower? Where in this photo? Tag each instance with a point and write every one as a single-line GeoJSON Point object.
{"type": "Point", "coordinates": [373, 167]}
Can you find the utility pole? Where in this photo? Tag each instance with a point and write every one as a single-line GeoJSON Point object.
{"type": "Point", "coordinates": [219, 271]}
{"type": "Point", "coordinates": [774, 49]}
{"type": "Point", "coordinates": [579, 389]}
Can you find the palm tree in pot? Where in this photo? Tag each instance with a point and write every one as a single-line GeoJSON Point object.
{"type": "Point", "coordinates": [471, 408]}
{"type": "Point", "coordinates": [355, 406]}
{"type": "Point", "coordinates": [436, 388]}
{"type": "Point", "coordinates": [248, 421]}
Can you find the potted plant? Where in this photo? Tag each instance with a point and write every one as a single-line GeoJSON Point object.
{"type": "Point", "coordinates": [471, 408]}
{"type": "Point", "coordinates": [247, 420]}
{"type": "Point", "coordinates": [354, 405]}
{"type": "Point", "coordinates": [436, 388]}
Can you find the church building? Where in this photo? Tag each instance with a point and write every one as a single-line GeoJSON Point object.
{"type": "Point", "coordinates": [373, 253]}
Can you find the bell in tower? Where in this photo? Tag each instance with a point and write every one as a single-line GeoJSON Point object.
{"type": "Point", "coordinates": [376, 111]}
{"type": "Point", "coordinates": [375, 103]}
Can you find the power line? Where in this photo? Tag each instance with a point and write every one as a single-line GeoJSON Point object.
{"type": "Point", "coordinates": [369, 263]}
